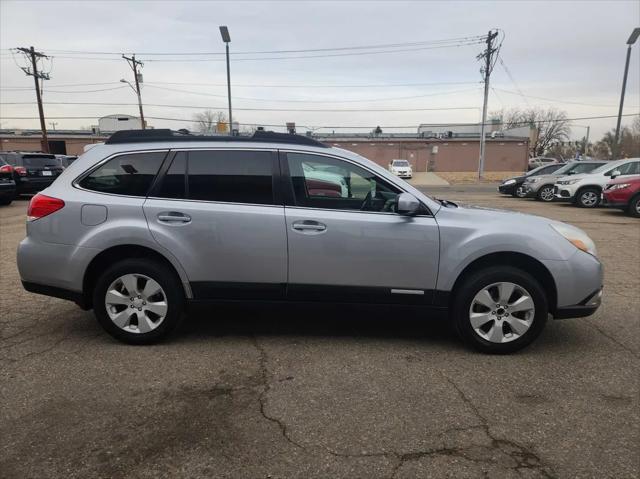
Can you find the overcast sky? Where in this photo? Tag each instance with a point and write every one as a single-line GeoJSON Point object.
{"type": "Point", "coordinates": [569, 54]}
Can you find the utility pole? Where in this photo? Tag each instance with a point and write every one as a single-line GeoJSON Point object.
{"type": "Point", "coordinates": [487, 55]}
{"type": "Point", "coordinates": [586, 141]}
{"type": "Point", "coordinates": [133, 63]}
{"type": "Point", "coordinates": [632, 39]}
{"type": "Point", "coordinates": [33, 71]}
{"type": "Point", "coordinates": [53, 125]}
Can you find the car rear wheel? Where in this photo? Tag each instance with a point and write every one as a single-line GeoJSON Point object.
{"type": "Point", "coordinates": [138, 301]}
{"type": "Point", "coordinates": [588, 198]}
{"type": "Point", "coordinates": [499, 310]}
{"type": "Point", "coordinates": [546, 193]}
{"type": "Point", "coordinates": [634, 206]}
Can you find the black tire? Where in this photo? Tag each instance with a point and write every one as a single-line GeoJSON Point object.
{"type": "Point", "coordinates": [545, 194]}
{"type": "Point", "coordinates": [473, 284]}
{"type": "Point", "coordinates": [164, 276]}
{"type": "Point", "coordinates": [518, 192]}
{"type": "Point", "coordinates": [585, 193]}
{"type": "Point", "coordinates": [634, 207]}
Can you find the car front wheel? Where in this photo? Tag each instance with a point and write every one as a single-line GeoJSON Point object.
{"type": "Point", "coordinates": [546, 194]}
{"type": "Point", "coordinates": [138, 301]}
{"type": "Point", "coordinates": [499, 310]}
{"type": "Point", "coordinates": [634, 206]}
{"type": "Point", "coordinates": [588, 198]}
{"type": "Point", "coordinates": [519, 192]}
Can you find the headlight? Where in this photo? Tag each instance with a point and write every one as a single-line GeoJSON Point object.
{"type": "Point", "coordinates": [576, 237]}
{"type": "Point", "coordinates": [509, 182]}
{"type": "Point", "coordinates": [532, 180]}
{"type": "Point", "coordinates": [568, 182]}
{"type": "Point", "coordinates": [619, 186]}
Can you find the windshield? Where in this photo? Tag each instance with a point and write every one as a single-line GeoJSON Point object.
{"type": "Point", "coordinates": [605, 167]}
{"type": "Point", "coordinates": [400, 163]}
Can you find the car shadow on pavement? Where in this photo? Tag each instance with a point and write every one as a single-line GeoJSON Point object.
{"type": "Point", "coordinates": [316, 320]}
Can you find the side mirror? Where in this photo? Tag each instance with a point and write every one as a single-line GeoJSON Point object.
{"type": "Point", "coordinates": [408, 205]}
{"type": "Point", "coordinates": [614, 174]}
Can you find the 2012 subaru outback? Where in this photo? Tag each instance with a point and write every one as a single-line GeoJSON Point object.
{"type": "Point", "coordinates": [150, 221]}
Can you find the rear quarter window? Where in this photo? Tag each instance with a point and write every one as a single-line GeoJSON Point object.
{"type": "Point", "coordinates": [129, 174]}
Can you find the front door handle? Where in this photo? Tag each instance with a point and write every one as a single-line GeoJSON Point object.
{"type": "Point", "coordinates": [308, 225]}
{"type": "Point", "coordinates": [173, 217]}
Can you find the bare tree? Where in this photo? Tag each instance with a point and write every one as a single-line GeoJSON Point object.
{"type": "Point", "coordinates": [551, 126]}
{"type": "Point", "coordinates": [629, 142]}
{"type": "Point", "coordinates": [207, 121]}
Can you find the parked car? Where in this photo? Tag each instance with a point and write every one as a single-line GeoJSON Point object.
{"type": "Point", "coordinates": [585, 190]}
{"type": "Point", "coordinates": [7, 183]}
{"type": "Point", "coordinates": [540, 187]}
{"type": "Point", "coordinates": [66, 160]}
{"type": "Point", "coordinates": [624, 193]}
{"type": "Point", "coordinates": [401, 168]}
{"type": "Point", "coordinates": [539, 161]}
{"type": "Point", "coordinates": [149, 222]}
{"type": "Point", "coordinates": [513, 186]}
{"type": "Point", "coordinates": [33, 172]}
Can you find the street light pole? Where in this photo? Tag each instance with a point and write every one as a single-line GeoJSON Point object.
{"type": "Point", "coordinates": [632, 39]}
{"type": "Point", "coordinates": [226, 38]}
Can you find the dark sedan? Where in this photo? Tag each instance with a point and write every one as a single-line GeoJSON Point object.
{"type": "Point", "coordinates": [513, 186]}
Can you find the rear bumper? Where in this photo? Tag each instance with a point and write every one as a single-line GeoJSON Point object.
{"type": "Point", "coordinates": [7, 189]}
{"type": "Point", "coordinates": [55, 292]}
{"type": "Point", "coordinates": [33, 185]}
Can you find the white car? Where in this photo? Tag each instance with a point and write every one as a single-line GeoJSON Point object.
{"type": "Point", "coordinates": [540, 161]}
{"type": "Point", "coordinates": [585, 190]}
{"type": "Point", "coordinates": [401, 168]}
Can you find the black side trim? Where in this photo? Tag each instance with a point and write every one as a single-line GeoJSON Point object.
{"type": "Point", "coordinates": [441, 298]}
{"type": "Point", "coordinates": [576, 311]}
{"type": "Point", "coordinates": [55, 292]}
{"type": "Point", "coordinates": [209, 290]}
{"type": "Point", "coordinates": [206, 291]}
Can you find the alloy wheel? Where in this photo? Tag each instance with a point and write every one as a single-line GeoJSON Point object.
{"type": "Point", "coordinates": [136, 303]}
{"type": "Point", "coordinates": [589, 199]}
{"type": "Point", "coordinates": [502, 312]}
{"type": "Point", "coordinates": [546, 193]}
{"type": "Point", "coordinates": [520, 192]}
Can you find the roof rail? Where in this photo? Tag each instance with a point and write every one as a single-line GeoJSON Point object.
{"type": "Point", "coordinates": [148, 136]}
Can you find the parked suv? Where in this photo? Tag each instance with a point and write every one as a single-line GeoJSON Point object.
{"type": "Point", "coordinates": [151, 221]}
{"type": "Point", "coordinates": [624, 193]}
{"type": "Point", "coordinates": [33, 171]}
{"type": "Point", "coordinates": [541, 187]}
{"type": "Point", "coordinates": [585, 190]}
{"type": "Point", "coordinates": [7, 184]}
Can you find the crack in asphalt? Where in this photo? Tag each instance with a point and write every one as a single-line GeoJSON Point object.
{"type": "Point", "coordinates": [523, 457]}
{"type": "Point", "coordinates": [613, 339]}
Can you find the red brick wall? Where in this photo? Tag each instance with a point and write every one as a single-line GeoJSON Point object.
{"type": "Point", "coordinates": [451, 156]}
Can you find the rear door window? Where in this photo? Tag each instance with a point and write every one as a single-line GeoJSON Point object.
{"type": "Point", "coordinates": [130, 175]}
{"type": "Point", "coordinates": [221, 176]}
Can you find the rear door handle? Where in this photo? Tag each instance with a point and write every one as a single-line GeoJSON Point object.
{"type": "Point", "coordinates": [173, 217]}
{"type": "Point", "coordinates": [308, 225]}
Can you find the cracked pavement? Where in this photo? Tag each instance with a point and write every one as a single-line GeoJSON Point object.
{"type": "Point", "coordinates": [246, 391]}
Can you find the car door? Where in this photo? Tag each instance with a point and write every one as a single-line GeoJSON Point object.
{"type": "Point", "coordinates": [216, 211]}
{"type": "Point", "coordinates": [354, 246]}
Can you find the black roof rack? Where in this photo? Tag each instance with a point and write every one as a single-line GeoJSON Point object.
{"type": "Point", "coordinates": [148, 136]}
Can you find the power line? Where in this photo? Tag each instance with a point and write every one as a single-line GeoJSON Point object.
{"type": "Point", "coordinates": [299, 110]}
{"type": "Point", "coordinates": [305, 50]}
{"type": "Point", "coordinates": [599, 117]}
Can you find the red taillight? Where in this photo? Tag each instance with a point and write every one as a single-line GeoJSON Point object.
{"type": "Point", "coordinates": [6, 169]}
{"type": "Point", "coordinates": [21, 170]}
{"type": "Point", "coordinates": [41, 206]}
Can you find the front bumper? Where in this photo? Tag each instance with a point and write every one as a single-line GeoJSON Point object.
{"type": "Point", "coordinates": [586, 307]}
{"type": "Point", "coordinates": [507, 189]}
{"type": "Point", "coordinates": [563, 192]}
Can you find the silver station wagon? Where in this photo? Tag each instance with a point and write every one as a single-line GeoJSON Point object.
{"type": "Point", "coordinates": [152, 220]}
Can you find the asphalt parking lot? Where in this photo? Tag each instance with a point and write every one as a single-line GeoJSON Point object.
{"type": "Point", "coordinates": [248, 392]}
